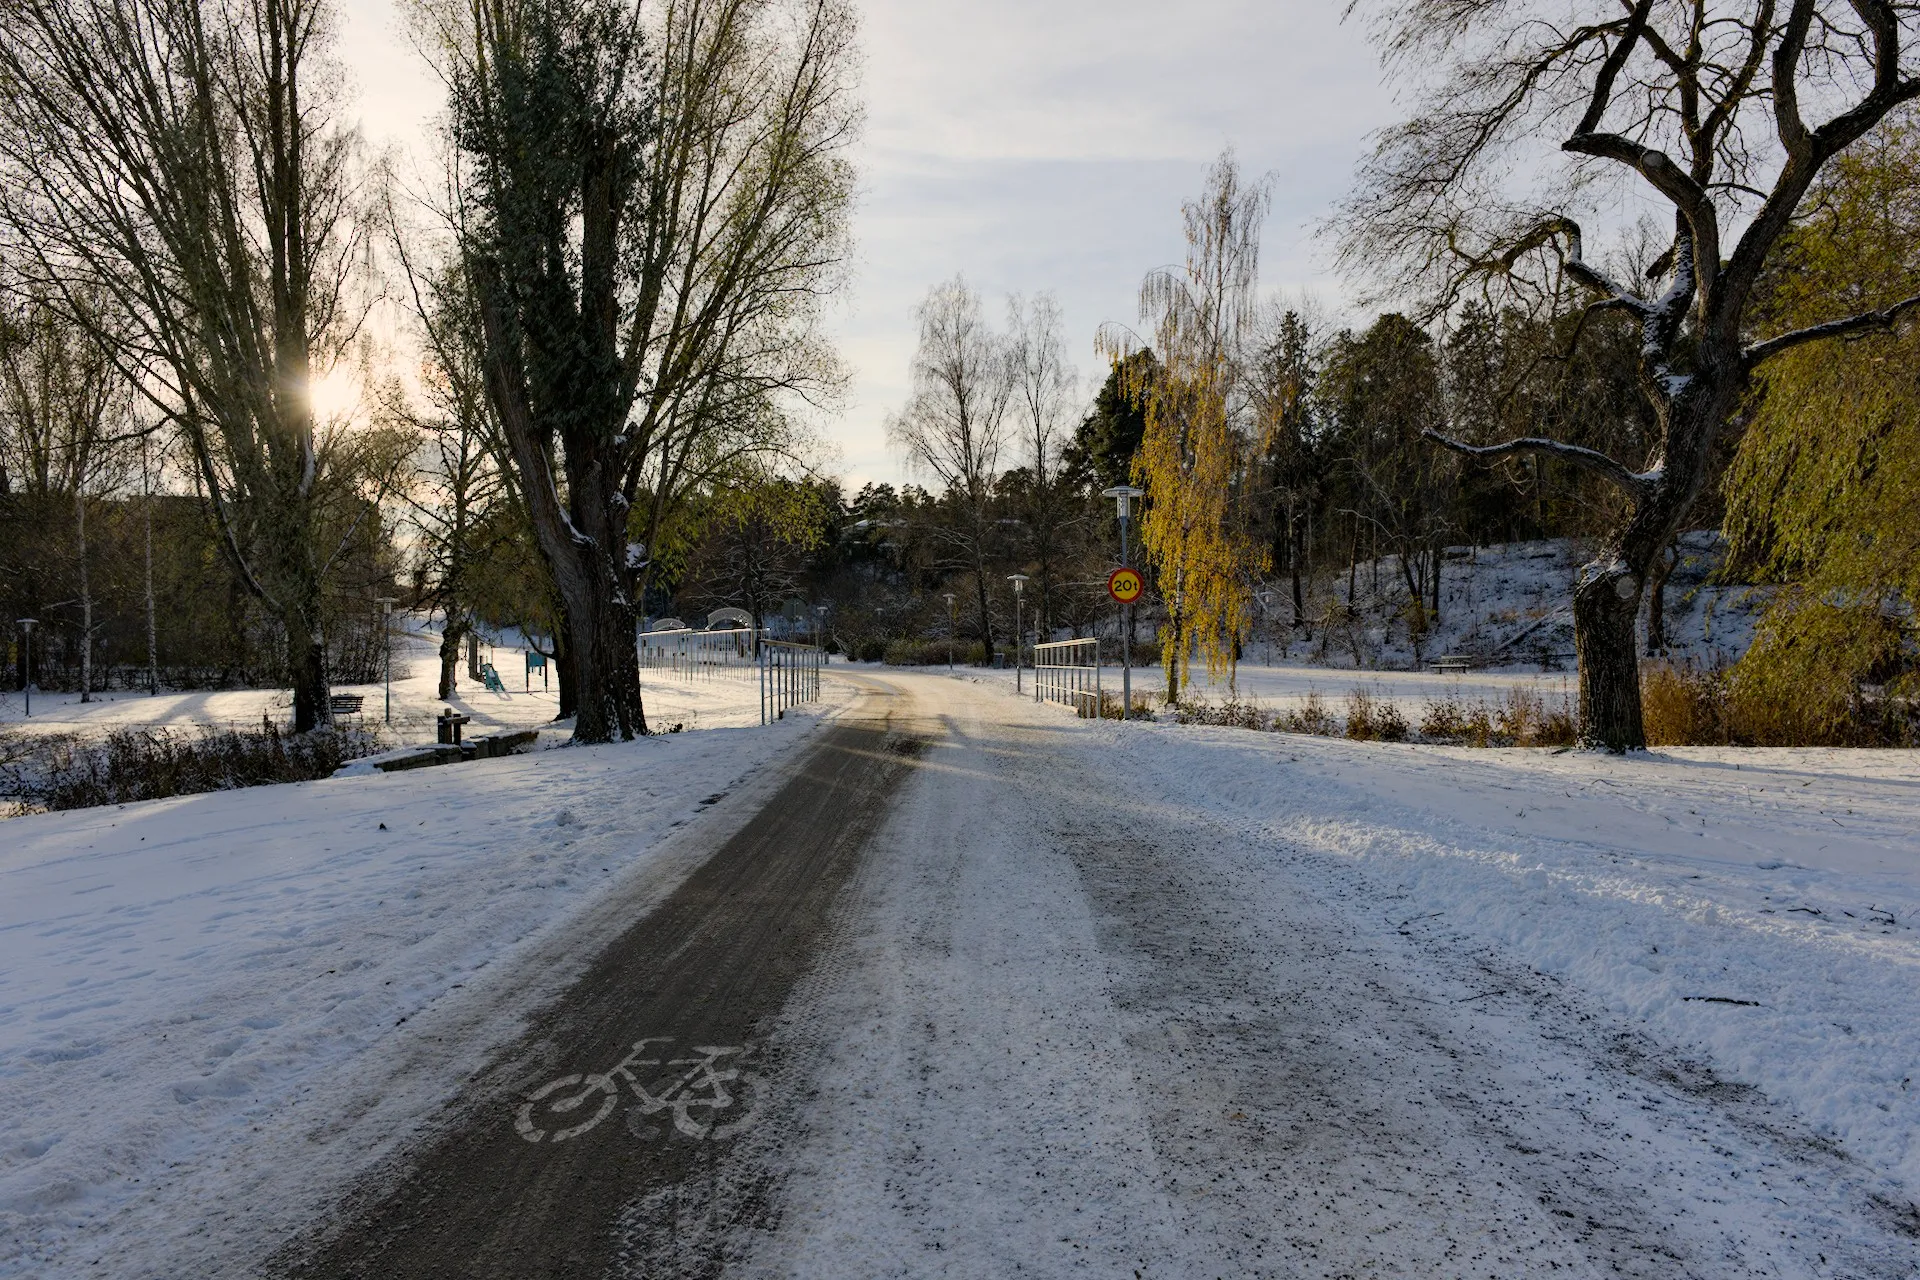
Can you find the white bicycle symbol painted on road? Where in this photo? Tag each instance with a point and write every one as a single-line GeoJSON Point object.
{"type": "Point", "coordinates": [696, 1090]}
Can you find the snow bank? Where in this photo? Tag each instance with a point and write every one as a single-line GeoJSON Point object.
{"type": "Point", "coordinates": [215, 1008]}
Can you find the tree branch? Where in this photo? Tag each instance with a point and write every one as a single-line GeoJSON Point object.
{"type": "Point", "coordinates": [1866, 322]}
{"type": "Point", "coordinates": [1590, 459]}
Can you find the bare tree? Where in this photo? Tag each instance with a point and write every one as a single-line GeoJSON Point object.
{"type": "Point", "coordinates": [182, 159]}
{"type": "Point", "coordinates": [652, 211]}
{"type": "Point", "coordinates": [1046, 390]}
{"type": "Point", "coordinates": [66, 427]}
{"type": "Point", "coordinates": [1703, 107]}
{"type": "Point", "coordinates": [955, 426]}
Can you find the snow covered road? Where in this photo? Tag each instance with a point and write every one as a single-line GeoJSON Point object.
{"type": "Point", "coordinates": [1083, 1021]}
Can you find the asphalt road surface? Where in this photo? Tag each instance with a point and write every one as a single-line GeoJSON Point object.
{"type": "Point", "coordinates": [953, 1004]}
{"type": "Point", "coordinates": [639, 1076]}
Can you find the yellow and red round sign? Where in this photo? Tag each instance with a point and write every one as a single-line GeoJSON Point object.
{"type": "Point", "coordinates": [1125, 585]}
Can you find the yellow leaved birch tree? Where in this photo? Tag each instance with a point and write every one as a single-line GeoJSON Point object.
{"type": "Point", "coordinates": [1190, 454]}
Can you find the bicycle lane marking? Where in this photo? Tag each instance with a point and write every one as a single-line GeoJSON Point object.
{"type": "Point", "coordinates": [700, 1087]}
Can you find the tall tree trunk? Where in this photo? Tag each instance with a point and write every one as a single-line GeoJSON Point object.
{"type": "Point", "coordinates": [450, 638]}
{"type": "Point", "coordinates": [1605, 605]}
{"type": "Point", "coordinates": [986, 620]}
{"type": "Point", "coordinates": [307, 667]}
{"type": "Point", "coordinates": [563, 672]}
{"type": "Point", "coordinates": [601, 646]}
{"type": "Point", "coordinates": [1437, 557]}
{"type": "Point", "coordinates": [1663, 567]}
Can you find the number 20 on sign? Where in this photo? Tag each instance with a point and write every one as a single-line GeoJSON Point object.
{"type": "Point", "coordinates": [1125, 585]}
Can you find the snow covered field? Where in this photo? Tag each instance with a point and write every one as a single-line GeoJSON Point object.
{"type": "Point", "coordinates": [702, 704]}
{"type": "Point", "coordinates": [1287, 686]}
{"type": "Point", "coordinates": [214, 1009]}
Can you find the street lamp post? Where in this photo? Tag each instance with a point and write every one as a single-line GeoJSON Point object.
{"type": "Point", "coordinates": [1019, 581]}
{"type": "Point", "coordinates": [27, 625]}
{"type": "Point", "coordinates": [952, 623]}
{"type": "Point", "coordinates": [386, 636]}
{"type": "Point", "coordinates": [820, 627]}
{"type": "Point", "coordinates": [1123, 496]}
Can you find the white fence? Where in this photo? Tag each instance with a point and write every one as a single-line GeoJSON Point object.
{"type": "Point", "coordinates": [1068, 672]}
{"type": "Point", "coordinates": [698, 655]}
{"type": "Point", "coordinates": [789, 675]}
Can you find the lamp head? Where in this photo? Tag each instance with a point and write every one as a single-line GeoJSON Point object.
{"type": "Point", "coordinates": [1019, 580]}
{"type": "Point", "coordinates": [28, 623]}
{"type": "Point", "coordinates": [1123, 496]}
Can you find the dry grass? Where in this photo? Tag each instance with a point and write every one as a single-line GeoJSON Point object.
{"type": "Point", "coordinates": [1713, 707]}
{"type": "Point", "coordinates": [1523, 718]}
{"type": "Point", "coordinates": [147, 764]}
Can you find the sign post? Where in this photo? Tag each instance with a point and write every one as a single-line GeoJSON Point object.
{"type": "Point", "coordinates": [1018, 580]}
{"type": "Point", "coordinates": [1123, 496]}
{"type": "Point", "coordinates": [27, 625]}
{"type": "Point", "coordinates": [386, 604]}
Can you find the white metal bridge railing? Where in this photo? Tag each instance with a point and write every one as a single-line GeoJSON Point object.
{"type": "Point", "coordinates": [1068, 672]}
{"type": "Point", "coordinates": [698, 655]}
{"type": "Point", "coordinates": [789, 675]}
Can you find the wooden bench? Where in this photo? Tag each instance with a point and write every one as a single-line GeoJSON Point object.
{"type": "Point", "coordinates": [1451, 664]}
{"type": "Point", "coordinates": [345, 704]}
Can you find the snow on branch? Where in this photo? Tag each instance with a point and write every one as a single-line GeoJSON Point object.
{"type": "Point", "coordinates": [1592, 459]}
{"type": "Point", "coordinates": [1866, 322]}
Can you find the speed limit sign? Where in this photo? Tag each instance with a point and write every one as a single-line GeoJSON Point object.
{"type": "Point", "coordinates": [1125, 585]}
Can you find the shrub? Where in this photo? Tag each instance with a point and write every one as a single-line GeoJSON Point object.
{"type": "Point", "coordinates": [874, 650]}
{"type": "Point", "coordinates": [1523, 718]}
{"type": "Point", "coordinates": [1311, 716]}
{"type": "Point", "coordinates": [916, 653]}
{"type": "Point", "coordinates": [147, 764]}
{"type": "Point", "coordinates": [1691, 706]}
{"type": "Point", "coordinates": [1232, 714]}
{"type": "Point", "coordinates": [1110, 706]}
{"type": "Point", "coordinates": [1371, 719]}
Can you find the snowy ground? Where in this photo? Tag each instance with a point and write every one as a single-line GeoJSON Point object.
{"type": "Point", "coordinates": [1144, 999]}
{"type": "Point", "coordinates": [1106, 998]}
{"type": "Point", "coordinates": [526, 704]}
{"type": "Point", "coordinates": [215, 1009]}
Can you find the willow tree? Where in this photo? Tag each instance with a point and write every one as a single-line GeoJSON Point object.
{"type": "Point", "coordinates": [1825, 489]}
{"type": "Point", "coordinates": [652, 204]}
{"type": "Point", "coordinates": [1723, 114]}
{"type": "Point", "coordinates": [184, 161]}
{"type": "Point", "coordinates": [1192, 450]}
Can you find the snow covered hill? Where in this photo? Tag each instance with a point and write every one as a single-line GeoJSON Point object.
{"type": "Point", "coordinates": [1510, 607]}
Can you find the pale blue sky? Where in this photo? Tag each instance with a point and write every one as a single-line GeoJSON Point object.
{"type": "Point", "coordinates": [1039, 146]}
